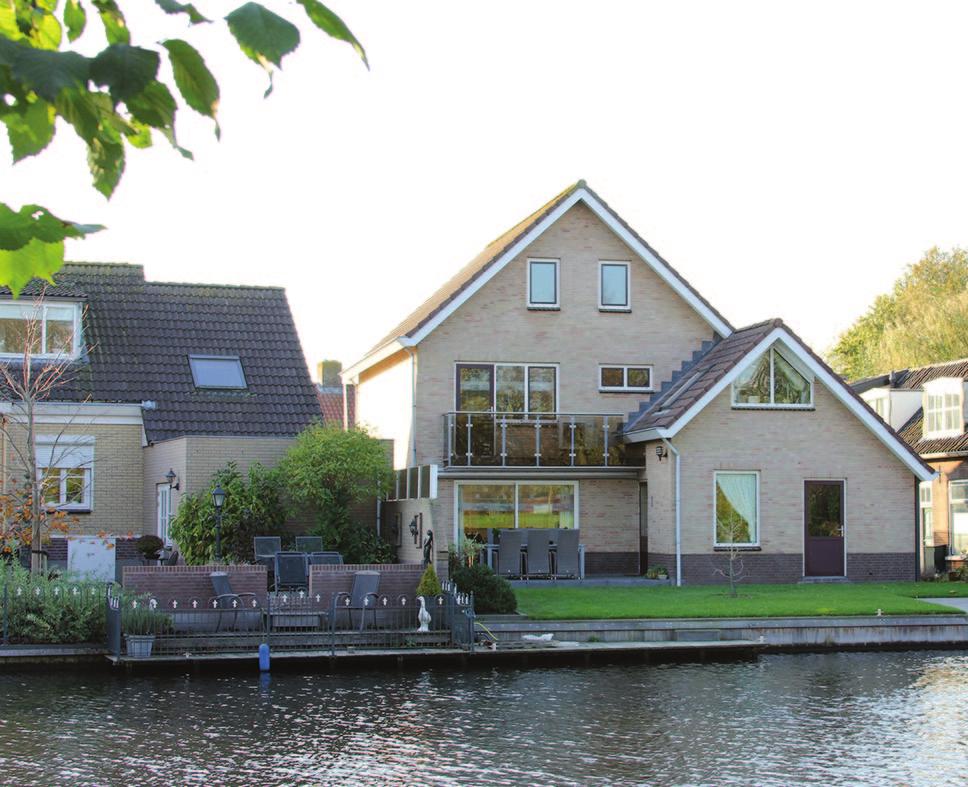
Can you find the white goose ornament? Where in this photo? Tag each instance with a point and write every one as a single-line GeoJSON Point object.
{"type": "Point", "coordinates": [423, 616]}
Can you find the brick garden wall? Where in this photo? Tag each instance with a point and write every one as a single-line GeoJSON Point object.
{"type": "Point", "coordinates": [395, 579]}
{"type": "Point", "coordinates": [184, 583]}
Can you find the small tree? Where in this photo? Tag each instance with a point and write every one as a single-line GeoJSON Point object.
{"type": "Point", "coordinates": [733, 531]}
{"type": "Point", "coordinates": [254, 506]}
{"type": "Point", "coordinates": [327, 471]}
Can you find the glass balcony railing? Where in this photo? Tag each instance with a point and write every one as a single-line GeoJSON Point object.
{"type": "Point", "coordinates": [482, 439]}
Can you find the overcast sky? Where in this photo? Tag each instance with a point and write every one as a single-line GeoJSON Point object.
{"type": "Point", "coordinates": [788, 160]}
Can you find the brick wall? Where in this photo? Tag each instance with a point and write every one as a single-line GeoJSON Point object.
{"type": "Point", "coordinates": [880, 566]}
{"type": "Point", "coordinates": [395, 580]}
{"type": "Point", "coordinates": [185, 583]}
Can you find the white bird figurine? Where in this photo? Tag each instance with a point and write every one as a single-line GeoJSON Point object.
{"type": "Point", "coordinates": [423, 616]}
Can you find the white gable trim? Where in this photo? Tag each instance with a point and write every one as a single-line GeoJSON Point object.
{"type": "Point", "coordinates": [893, 443]}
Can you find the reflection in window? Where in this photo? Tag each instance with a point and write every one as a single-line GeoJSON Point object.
{"type": "Point", "coordinates": [484, 506]}
{"type": "Point", "coordinates": [542, 283]}
{"type": "Point", "coordinates": [959, 517]}
{"type": "Point", "coordinates": [614, 285]}
{"type": "Point", "coordinates": [43, 329]}
{"type": "Point", "coordinates": [516, 504]}
{"type": "Point", "coordinates": [737, 509]}
{"type": "Point", "coordinates": [772, 381]}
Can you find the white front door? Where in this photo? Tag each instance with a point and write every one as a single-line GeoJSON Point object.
{"type": "Point", "coordinates": [164, 511]}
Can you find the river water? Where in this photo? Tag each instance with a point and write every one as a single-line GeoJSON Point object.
{"type": "Point", "coordinates": [858, 718]}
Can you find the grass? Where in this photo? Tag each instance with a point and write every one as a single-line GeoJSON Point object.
{"type": "Point", "coordinates": [757, 601]}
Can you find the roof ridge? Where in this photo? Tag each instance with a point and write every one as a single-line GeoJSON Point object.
{"type": "Point", "coordinates": [216, 286]}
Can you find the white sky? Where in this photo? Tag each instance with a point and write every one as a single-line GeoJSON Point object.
{"type": "Point", "coordinates": [787, 160]}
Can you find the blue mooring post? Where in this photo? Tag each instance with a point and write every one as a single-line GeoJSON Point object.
{"type": "Point", "coordinates": [264, 657]}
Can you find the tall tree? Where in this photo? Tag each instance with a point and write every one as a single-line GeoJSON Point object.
{"type": "Point", "coordinates": [114, 101]}
{"type": "Point", "coordinates": [924, 319]}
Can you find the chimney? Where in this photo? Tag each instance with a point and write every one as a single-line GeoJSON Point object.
{"type": "Point", "coordinates": [328, 372]}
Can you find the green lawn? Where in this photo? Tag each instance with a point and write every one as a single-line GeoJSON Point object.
{"type": "Point", "coordinates": [714, 601]}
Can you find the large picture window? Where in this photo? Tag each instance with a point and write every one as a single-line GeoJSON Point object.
{"type": "Point", "coordinates": [514, 504]}
{"type": "Point", "coordinates": [958, 491]}
{"type": "Point", "coordinates": [49, 330]}
{"type": "Point", "coordinates": [737, 508]}
{"type": "Point", "coordinates": [772, 381]}
{"type": "Point", "coordinates": [65, 468]}
{"type": "Point", "coordinates": [507, 388]}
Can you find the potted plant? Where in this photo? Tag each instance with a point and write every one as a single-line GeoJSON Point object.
{"type": "Point", "coordinates": [149, 546]}
{"type": "Point", "coordinates": [141, 622]}
{"type": "Point", "coordinates": [657, 572]}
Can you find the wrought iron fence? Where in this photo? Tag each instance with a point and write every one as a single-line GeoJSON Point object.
{"type": "Point", "coordinates": [293, 622]}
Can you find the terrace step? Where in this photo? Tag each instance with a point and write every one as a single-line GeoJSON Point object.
{"type": "Point", "coordinates": [824, 581]}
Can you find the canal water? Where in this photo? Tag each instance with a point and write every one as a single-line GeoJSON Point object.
{"type": "Point", "coordinates": [859, 718]}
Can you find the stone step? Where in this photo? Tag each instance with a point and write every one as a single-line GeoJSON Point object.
{"type": "Point", "coordinates": [823, 580]}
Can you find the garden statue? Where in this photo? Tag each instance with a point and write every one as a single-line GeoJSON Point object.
{"type": "Point", "coordinates": [428, 548]}
{"type": "Point", "coordinates": [423, 616]}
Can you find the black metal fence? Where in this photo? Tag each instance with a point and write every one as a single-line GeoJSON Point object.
{"type": "Point", "coordinates": [290, 622]}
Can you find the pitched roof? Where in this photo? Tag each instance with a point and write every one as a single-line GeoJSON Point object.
{"type": "Point", "coordinates": [331, 402]}
{"type": "Point", "coordinates": [913, 379]}
{"type": "Point", "coordinates": [139, 335]}
{"type": "Point", "coordinates": [495, 253]}
{"type": "Point", "coordinates": [672, 409]}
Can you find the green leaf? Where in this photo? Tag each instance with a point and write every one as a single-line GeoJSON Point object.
{"type": "Point", "coordinates": [155, 107]}
{"type": "Point", "coordinates": [125, 70]}
{"type": "Point", "coordinates": [172, 7]}
{"type": "Point", "coordinates": [75, 17]}
{"type": "Point", "coordinates": [195, 82]}
{"type": "Point", "coordinates": [8, 22]}
{"type": "Point", "coordinates": [262, 35]}
{"type": "Point", "coordinates": [16, 228]}
{"type": "Point", "coordinates": [105, 159]}
{"type": "Point", "coordinates": [45, 72]}
{"type": "Point", "coordinates": [115, 27]}
{"type": "Point", "coordinates": [46, 31]}
{"type": "Point", "coordinates": [139, 135]}
{"type": "Point", "coordinates": [332, 25]}
{"type": "Point", "coordinates": [34, 260]}
{"type": "Point", "coordinates": [31, 131]}
{"type": "Point", "coordinates": [78, 108]}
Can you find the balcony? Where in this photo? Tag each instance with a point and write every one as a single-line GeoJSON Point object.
{"type": "Point", "coordinates": [483, 439]}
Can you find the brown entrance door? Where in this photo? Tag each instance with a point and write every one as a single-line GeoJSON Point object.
{"type": "Point", "coordinates": [823, 538]}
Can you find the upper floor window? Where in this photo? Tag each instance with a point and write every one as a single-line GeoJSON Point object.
{"type": "Point", "coordinates": [543, 284]}
{"type": "Point", "coordinates": [507, 388]}
{"type": "Point", "coordinates": [882, 406]}
{"type": "Point", "coordinates": [613, 286]}
{"type": "Point", "coordinates": [944, 408]}
{"type": "Point", "coordinates": [45, 330]}
{"type": "Point", "coordinates": [217, 371]}
{"type": "Point", "coordinates": [625, 378]}
{"type": "Point", "coordinates": [772, 381]}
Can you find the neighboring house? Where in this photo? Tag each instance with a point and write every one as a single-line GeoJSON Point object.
{"type": "Point", "coordinates": [337, 401]}
{"type": "Point", "coordinates": [163, 378]}
{"type": "Point", "coordinates": [927, 406]}
{"type": "Point", "coordinates": [508, 392]}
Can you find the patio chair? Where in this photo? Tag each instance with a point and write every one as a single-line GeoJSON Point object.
{"type": "Point", "coordinates": [309, 544]}
{"type": "Point", "coordinates": [509, 553]}
{"type": "Point", "coordinates": [325, 559]}
{"type": "Point", "coordinates": [538, 554]}
{"type": "Point", "coordinates": [290, 570]}
{"type": "Point", "coordinates": [265, 548]}
{"type": "Point", "coordinates": [172, 559]}
{"type": "Point", "coordinates": [566, 557]}
{"type": "Point", "coordinates": [235, 611]}
{"type": "Point", "coordinates": [366, 587]}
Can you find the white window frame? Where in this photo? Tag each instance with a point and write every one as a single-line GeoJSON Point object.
{"type": "Point", "coordinates": [771, 405]}
{"type": "Point", "coordinates": [882, 406]}
{"type": "Point", "coordinates": [628, 286]}
{"type": "Point", "coordinates": [24, 307]}
{"type": "Point", "coordinates": [164, 529]}
{"type": "Point", "coordinates": [926, 502]}
{"type": "Point", "coordinates": [516, 484]}
{"type": "Point", "coordinates": [938, 389]}
{"type": "Point", "coordinates": [62, 444]}
{"type": "Point", "coordinates": [527, 391]}
{"type": "Point", "coordinates": [736, 544]}
{"type": "Point", "coordinates": [625, 387]}
{"type": "Point", "coordinates": [547, 306]}
{"type": "Point", "coordinates": [952, 485]}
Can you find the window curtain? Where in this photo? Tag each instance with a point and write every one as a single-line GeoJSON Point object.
{"type": "Point", "coordinates": [740, 491]}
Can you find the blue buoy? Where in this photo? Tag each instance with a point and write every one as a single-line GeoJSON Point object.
{"type": "Point", "coordinates": [264, 657]}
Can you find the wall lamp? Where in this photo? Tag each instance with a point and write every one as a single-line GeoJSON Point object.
{"type": "Point", "coordinates": [660, 451]}
{"type": "Point", "coordinates": [172, 479]}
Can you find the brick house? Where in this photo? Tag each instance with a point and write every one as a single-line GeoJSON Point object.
{"type": "Point", "coordinates": [927, 406]}
{"type": "Point", "coordinates": [163, 378]}
{"type": "Point", "coordinates": [569, 377]}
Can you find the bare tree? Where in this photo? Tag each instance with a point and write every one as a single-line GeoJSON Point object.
{"type": "Point", "coordinates": [28, 382]}
{"type": "Point", "coordinates": [732, 533]}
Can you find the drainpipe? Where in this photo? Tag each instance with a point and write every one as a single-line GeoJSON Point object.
{"type": "Point", "coordinates": [678, 498]}
{"type": "Point", "coordinates": [413, 404]}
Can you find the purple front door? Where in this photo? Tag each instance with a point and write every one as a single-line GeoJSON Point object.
{"type": "Point", "coordinates": [823, 537]}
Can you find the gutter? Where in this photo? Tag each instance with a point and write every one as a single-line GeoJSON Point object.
{"type": "Point", "coordinates": [678, 499]}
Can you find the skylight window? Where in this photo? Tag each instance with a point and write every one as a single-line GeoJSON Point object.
{"type": "Point", "coordinates": [223, 372]}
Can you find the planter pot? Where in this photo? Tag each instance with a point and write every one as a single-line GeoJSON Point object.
{"type": "Point", "coordinates": [139, 645]}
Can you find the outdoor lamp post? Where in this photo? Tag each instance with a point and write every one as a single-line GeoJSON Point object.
{"type": "Point", "coordinates": [218, 500]}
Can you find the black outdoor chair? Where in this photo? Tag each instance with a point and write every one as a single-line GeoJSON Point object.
{"type": "Point", "coordinates": [364, 597]}
{"type": "Point", "coordinates": [509, 553]}
{"type": "Point", "coordinates": [566, 556]}
{"type": "Point", "coordinates": [172, 559]}
{"type": "Point", "coordinates": [235, 611]}
{"type": "Point", "coordinates": [265, 548]}
{"type": "Point", "coordinates": [325, 559]}
{"type": "Point", "coordinates": [539, 553]}
{"type": "Point", "coordinates": [309, 544]}
{"type": "Point", "coordinates": [291, 570]}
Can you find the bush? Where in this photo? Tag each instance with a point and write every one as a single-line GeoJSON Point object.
{"type": "Point", "coordinates": [149, 546]}
{"type": "Point", "coordinates": [492, 594]}
{"type": "Point", "coordinates": [139, 619]}
{"type": "Point", "coordinates": [52, 611]}
{"type": "Point", "coordinates": [253, 507]}
{"type": "Point", "coordinates": [429, 584]}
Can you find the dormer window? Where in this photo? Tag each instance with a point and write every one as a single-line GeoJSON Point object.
{"type": "Point", "coordinates": [882, 406]}
{"type": "Point", "coordinates": [220, 372]}
{"type": "Point", "coordinates": [45, 330]}
{"type": "Point", "coordinates": [772, 381]}
{"type": "Point", "coordinates": [944, 408]}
